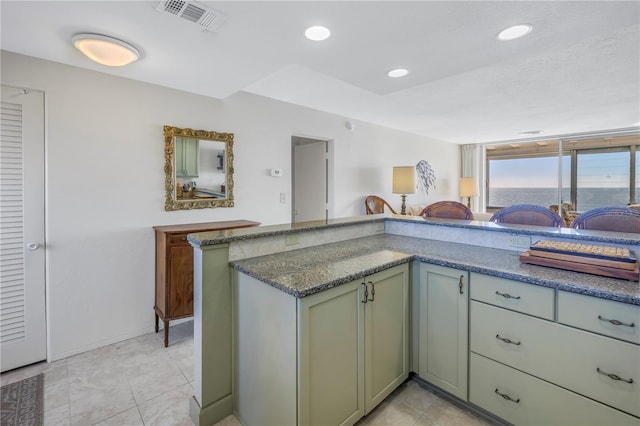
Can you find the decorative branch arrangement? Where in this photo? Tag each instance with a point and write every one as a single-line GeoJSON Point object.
{"type": "Point", "coordinates": [427, 176]}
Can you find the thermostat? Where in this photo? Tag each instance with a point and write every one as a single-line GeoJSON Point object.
{"type": "Point", "coordinates": [276, 172]}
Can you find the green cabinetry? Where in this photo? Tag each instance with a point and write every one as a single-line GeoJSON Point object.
{"type": "Point", "coordinates": [187, 157]}
{"type": "Point", "coordinates": [346, 350]}
{"type": "Point", "coordinates": [443, 328]}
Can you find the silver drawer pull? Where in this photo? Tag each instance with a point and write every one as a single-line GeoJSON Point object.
{"type": "Point", "coordinates": [507, 397]}
{"type": "Point", "coordinates": [613, 376]}
{"type": "Point", "coordinates": [504, 339]}
{"type": "Point", "coordinates": [507, 295]}
{"type": "Point", "coordinates": [615, 322]}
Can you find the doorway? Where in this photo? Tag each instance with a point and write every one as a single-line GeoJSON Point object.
{"type": "Point", "coordinates": [311, 171]}
{"type": "Point", "coordinates": [22, 228]}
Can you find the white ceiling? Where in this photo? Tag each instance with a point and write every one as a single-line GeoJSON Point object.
{"type": "Point", "coordinates": [577, 71]}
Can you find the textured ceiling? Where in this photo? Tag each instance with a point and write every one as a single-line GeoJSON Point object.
{"type": "Point", "coordinates": [578, 70]}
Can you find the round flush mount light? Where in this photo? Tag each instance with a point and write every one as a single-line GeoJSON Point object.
{"type": "Point", "coordinates": [105, 50]}
{"type": "Point", "coordinates": [515, 32]}
{"type": "Point", "coordinates": [397, 72]}
{"type": "Point", "coordinates": [317, 33]}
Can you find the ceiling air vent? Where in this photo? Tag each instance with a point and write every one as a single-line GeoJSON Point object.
{"type": "Point", "coordinates": [206, 17]}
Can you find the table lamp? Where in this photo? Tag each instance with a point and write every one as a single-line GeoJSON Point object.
{"type": "Point", "coordinates": [404, 182]}
{"type": "Point", "coordinates": [468, 188]}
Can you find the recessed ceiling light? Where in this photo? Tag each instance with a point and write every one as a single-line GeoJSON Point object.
{"type": "Point", "coordinates": [515, 32]}
{"type": "Point", "coordinates": [398, 72]}
{"type": "Point", "coordinates": [105, 50]}
{"type": "Point", "coordinates": [317, 33]}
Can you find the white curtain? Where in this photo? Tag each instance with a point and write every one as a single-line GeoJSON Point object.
{"type": "Point", "coordinates": [471, 157]}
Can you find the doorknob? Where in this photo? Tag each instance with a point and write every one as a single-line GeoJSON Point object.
{"type": "Point", "coordinates": [33, 246]}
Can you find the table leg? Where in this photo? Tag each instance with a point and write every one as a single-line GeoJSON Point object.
{"type": "Point", "coordinates": [157, 323]}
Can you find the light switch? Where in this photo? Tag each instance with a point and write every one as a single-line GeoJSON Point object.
{"type": "Point", "coordinates": [283, 198]}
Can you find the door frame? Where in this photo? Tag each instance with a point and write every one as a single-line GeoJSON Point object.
{"type": "Point", "coordinates": [330, 180]}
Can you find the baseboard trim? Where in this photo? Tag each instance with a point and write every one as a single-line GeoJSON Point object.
{"type": "Point", "coordinates": [211, 414]}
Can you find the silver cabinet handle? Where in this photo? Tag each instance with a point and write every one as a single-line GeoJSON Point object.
{"type": "Point", "coordinates": [615, 321]}
{"type": "Point", "coordinates": [373, 292]}
{"type": "Point", "coordinates": [366, 293]}
{"type": "Point", "coordinates": [507, 397]}
{"type": "Point", "coordinates": [460, 284]}
{"type": "Point", "coordinates": [507, 295]}
{"type": "Point", "coordinates": [504, 339]}
{"type": "Point", "coordinates": [613, 376]}
{"type": "Point", "coordinates": [33, 246]}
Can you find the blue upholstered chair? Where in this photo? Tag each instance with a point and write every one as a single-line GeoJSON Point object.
{"type": "Point", "coordinates": [447, 210]}
{"type": "Point", "coordinates": [527, 214]}
{"type": "Point", "coordinates": [617, 219]}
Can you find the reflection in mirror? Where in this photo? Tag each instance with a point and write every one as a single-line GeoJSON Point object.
{"type": "Point", "coordinates": [198, 169]}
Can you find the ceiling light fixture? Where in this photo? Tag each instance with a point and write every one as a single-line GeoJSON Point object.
{"type": "Point", "coordinates": [317, 33]}
{"type": "Point", "coordinates": [515, 32]}
{"type": "Point", "coordinates": [531, 133]}
{"type": "Point", "coordinates": [398, 72]}
{"type": "Point", "coordinates": [105, 50]}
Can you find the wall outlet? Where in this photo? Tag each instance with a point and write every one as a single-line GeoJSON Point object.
{"type": "Point", "coordinates": [380, 227]}
{"type": "Point", "coordinates": [283, 198]}
{"type": "Point", "coordinates": [291, 240]}
{"type": "Point", "coordinates": [520, 241]}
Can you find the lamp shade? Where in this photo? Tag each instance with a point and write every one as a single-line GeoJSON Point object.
{"type": "Point", "coordinates": [404, 180]}
{"type": "Point", "coordinates": [468, 187]}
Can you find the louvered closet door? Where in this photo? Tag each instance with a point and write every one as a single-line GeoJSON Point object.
{"type": "Point", "coordinates": [22, 254]}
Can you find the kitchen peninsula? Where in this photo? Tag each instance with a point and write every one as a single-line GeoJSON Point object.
{"type": "Point", "coordinates": [294, 266]}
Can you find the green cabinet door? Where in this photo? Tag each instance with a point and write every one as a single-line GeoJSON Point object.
{"type": "Point", "coordinates": [386, 334]}
{"type": "Point", "coordinates": [187, 157]}
{"type": "Point", "coordinates": [443, 325]}
{"type": "Point", "coordinates": [331, 356]}
{"type": "Point", "coordinates": [352, 354]}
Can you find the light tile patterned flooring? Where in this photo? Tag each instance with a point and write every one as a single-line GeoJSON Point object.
{"type": "Point", "coordinates": [140, 382]}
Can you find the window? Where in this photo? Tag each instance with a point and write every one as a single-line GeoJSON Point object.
{"type": "Point", "coordinates": [602, 178]}
{"type": "Point", "coordinates": [587, 174]}
{"type": "Point", "coordinates": [524, 181]}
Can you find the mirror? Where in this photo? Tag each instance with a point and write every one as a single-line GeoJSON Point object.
{"type": "Point", "coordinates": [198, 169]}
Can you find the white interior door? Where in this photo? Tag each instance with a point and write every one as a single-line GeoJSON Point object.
{"type": "Point", "coordinates": [22, 232]}
{"type": "Point", "coordinates": [310, 165]}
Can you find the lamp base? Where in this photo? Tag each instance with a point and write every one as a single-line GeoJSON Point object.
{"type": "Point", "coordinates": [469, 202]}
{"type": "Point", "coordinates": [403, 207]}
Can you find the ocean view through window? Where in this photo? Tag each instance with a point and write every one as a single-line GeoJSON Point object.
{"type": "Point", "coordinates": [592, 173]}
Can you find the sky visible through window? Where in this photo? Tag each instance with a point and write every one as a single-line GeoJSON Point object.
{"type": "Point", "coordinates": [541, 172]}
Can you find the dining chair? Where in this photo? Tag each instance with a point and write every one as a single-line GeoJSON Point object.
{"type": "Point", "coordinates": [447, 210]}
{"type": "Point", "coordinates": [374, 205]}
{"type": "Point", "coordinates": [527, 214]}
{"type": "Point", "coordinates": [616, 219]}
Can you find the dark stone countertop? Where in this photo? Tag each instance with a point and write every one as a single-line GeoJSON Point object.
{"type": "Point", "coordinates": [310, 270]}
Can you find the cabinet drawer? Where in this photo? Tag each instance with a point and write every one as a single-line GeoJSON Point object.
{"type": "Point", "coordinates": [178, 239]}
{"type": "Point", "coordinates": [533, 401]}
{"type": "Point", "coordinates": [591, 313]}
{"type": "Point", "coordinates": [527, 298]}
{"type": "Point", "coordinates": [571, 358]}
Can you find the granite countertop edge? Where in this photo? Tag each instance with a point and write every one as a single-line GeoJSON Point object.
{"type": "Point", "coordinates": [201, 239]}
{"type": "Point", "coordinates": [264, 268]}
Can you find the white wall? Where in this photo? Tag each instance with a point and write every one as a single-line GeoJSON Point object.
{"type": "Point", "coordinates": [105, 184]}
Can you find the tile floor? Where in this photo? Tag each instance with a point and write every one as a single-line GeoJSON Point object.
{"type": "Point", "coordinates": [139, 382]}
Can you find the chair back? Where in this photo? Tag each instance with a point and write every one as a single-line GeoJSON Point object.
{"type": "Point", "coordinates": [616, 219]}
{"type": "Point", "coordinates": [375, 205]}
{"type": "Point", "coordinates": [447, 210]}
{"type": "Point", "coordinates": [527, 214]}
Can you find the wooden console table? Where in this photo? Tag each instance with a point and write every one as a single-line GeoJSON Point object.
{"type": "Point", "coordinates": [174, 268]}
